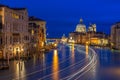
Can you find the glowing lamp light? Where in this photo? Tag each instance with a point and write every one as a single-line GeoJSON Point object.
{"type": "Point", "coordinates": [55, 44]}
{"type": "Point", "coordinates": [22, 49]}
{"type": "Point", "coordinates": [87, 43]}
{"type": "Point", "coordinates": [71, 38]}
{"type": "Point", "coordinates": [18, 50]}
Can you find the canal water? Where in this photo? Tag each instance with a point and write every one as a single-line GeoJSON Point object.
{"type": "Point", "coordinates": [108, 64]}
{"type": "Point", "coordinates": [63, 62]}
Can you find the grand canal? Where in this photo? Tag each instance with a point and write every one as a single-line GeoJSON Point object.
{"type": "Point", "coordinates": [72, 62]}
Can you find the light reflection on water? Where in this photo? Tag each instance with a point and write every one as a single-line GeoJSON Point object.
{"type": "Point", "coordinates": [87, 50]}
{"type": "Point", "coordinates": [43, 56]}
{"type": "Point", "coordinates": [55, 67]}
{"type": "Point", "coordinates": [63, 51]}
{"type": "Point", "coordinates": [20, 69]}
{"type": "Point", "coordinates": [34, 60]}
{"type": "Point", "coordinates": [72, 48]}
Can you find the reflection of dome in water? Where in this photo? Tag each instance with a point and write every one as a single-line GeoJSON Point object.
{"type": "Point", "coordinates": [81, 27]}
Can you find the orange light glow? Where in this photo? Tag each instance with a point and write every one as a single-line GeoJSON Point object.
{"type": "Point", "coordinates": [87, 50]}
{"type": "Point", "coordinates": [55, 67]}
{"type": "Point", "coordinates": [72, 52]}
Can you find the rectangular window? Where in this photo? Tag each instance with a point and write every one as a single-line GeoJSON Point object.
{"type": "Point", "coordinates": [15, 16]}
{"type": "Point", "coordinates": [1, 40]}
{"type": "Point", "coordinates": [0, 25]}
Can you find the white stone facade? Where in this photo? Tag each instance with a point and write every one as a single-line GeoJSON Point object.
{"type": "Point", "coordinates": [81, 27]}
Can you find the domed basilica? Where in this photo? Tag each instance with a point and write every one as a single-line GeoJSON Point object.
{"type": "Point", "coordinates": [81, 27]}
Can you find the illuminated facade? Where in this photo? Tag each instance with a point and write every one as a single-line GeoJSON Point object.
{"type": "Point", "coordinates": [14, 35]}
{"type": "Point", "coordinates": [115, 36]}
{"type": "Point", "coordinates": [97, 38]}
{"type": "Point", "coordinates": [92, 28]}
{"type": "Point", "coordinates": [80, 36]}
{"type": "Point", "coordinates": [81, 27]}
{"type": "Point", "coordinates": [64, 39]}
{"type": "Point", "coordinates": [99, 41]}
{"type": "Point", "coordinates": [1, 39]}
{"type": "Point", "coordinates": [37, 30]}
{"type": "Point", "coordinates": [93, 38]}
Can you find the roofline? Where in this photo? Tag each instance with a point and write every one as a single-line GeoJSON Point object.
{"type": "Point", "coordinates": [35, 19]}
{"type": "Point", "coordinates": [1, 5]}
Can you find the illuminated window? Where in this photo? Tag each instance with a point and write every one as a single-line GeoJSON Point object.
{"type": "Point", "coordinates": [15, 16]}
{"type": "Point", "coordinates": [32, 32]}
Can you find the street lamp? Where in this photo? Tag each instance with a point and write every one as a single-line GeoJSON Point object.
{"type": "Point", "coordinates": [55, 44]}
{"type": "Point", "coordinates": [22, 49]}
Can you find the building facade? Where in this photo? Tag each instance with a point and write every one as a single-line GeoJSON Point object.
{"type": "Point", "coordinates": [99, 39]}
{"type": "Point", "coordinates": [14, 37]}
{"type": "Point", "coordinates": [78, 38]}
{"type": "Point", "coordinates": [64, 39]}
{"type": "Point", "coordinates": [92, 28]}
{"type": "Point", "coordinates": [91, 36]}
{"type": "Point", "coordinates": [115, 36]}
{"type": "Point", "coordinates": [37, 30]}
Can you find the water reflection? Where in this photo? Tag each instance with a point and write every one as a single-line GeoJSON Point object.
{"type": "Point", "coordinates": [20, 70]}
{"type": "Point", "coordinates": [34, 60]}
{"type": "Point", "coordinates": [42, 61]}
{"type": "Point", "coordinates": [72, 48]}
{"type": "Point", "coordinates": [43, 57]}
{"type": "Point", "coordinates": [109, 64]}
{"type": "Point", "coordinates": [55, 67]}
{"type": "Point", "coordinates": [87, 50]}
{"type": "Point", "coordinates": [63, 51]}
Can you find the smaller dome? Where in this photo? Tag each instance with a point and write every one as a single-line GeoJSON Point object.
{"type": "Point", "coordinates": [92, 28]}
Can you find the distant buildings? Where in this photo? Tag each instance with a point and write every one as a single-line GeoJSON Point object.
{"type": "Point", "coordinates": [82, 35]}
{"type": "Point", "coordinates": [92, 28]}
{"type": "Point", "coordinates": [18, 32]}
{"type": "Point", "coordinates": [77, 37]}
{"type": "Point", "coordinates": [64, 39]}
{"type": "Point", "coordinates": [98, 39]}
{"type": "Point", "coordinates": [115, 36]}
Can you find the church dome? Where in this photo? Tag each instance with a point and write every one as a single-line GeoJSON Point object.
{"type": "Point", "coordinates": [81, 27]}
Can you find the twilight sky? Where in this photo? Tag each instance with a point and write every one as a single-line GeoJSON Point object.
{"type": "Point", "coordinates": [62, 16]}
